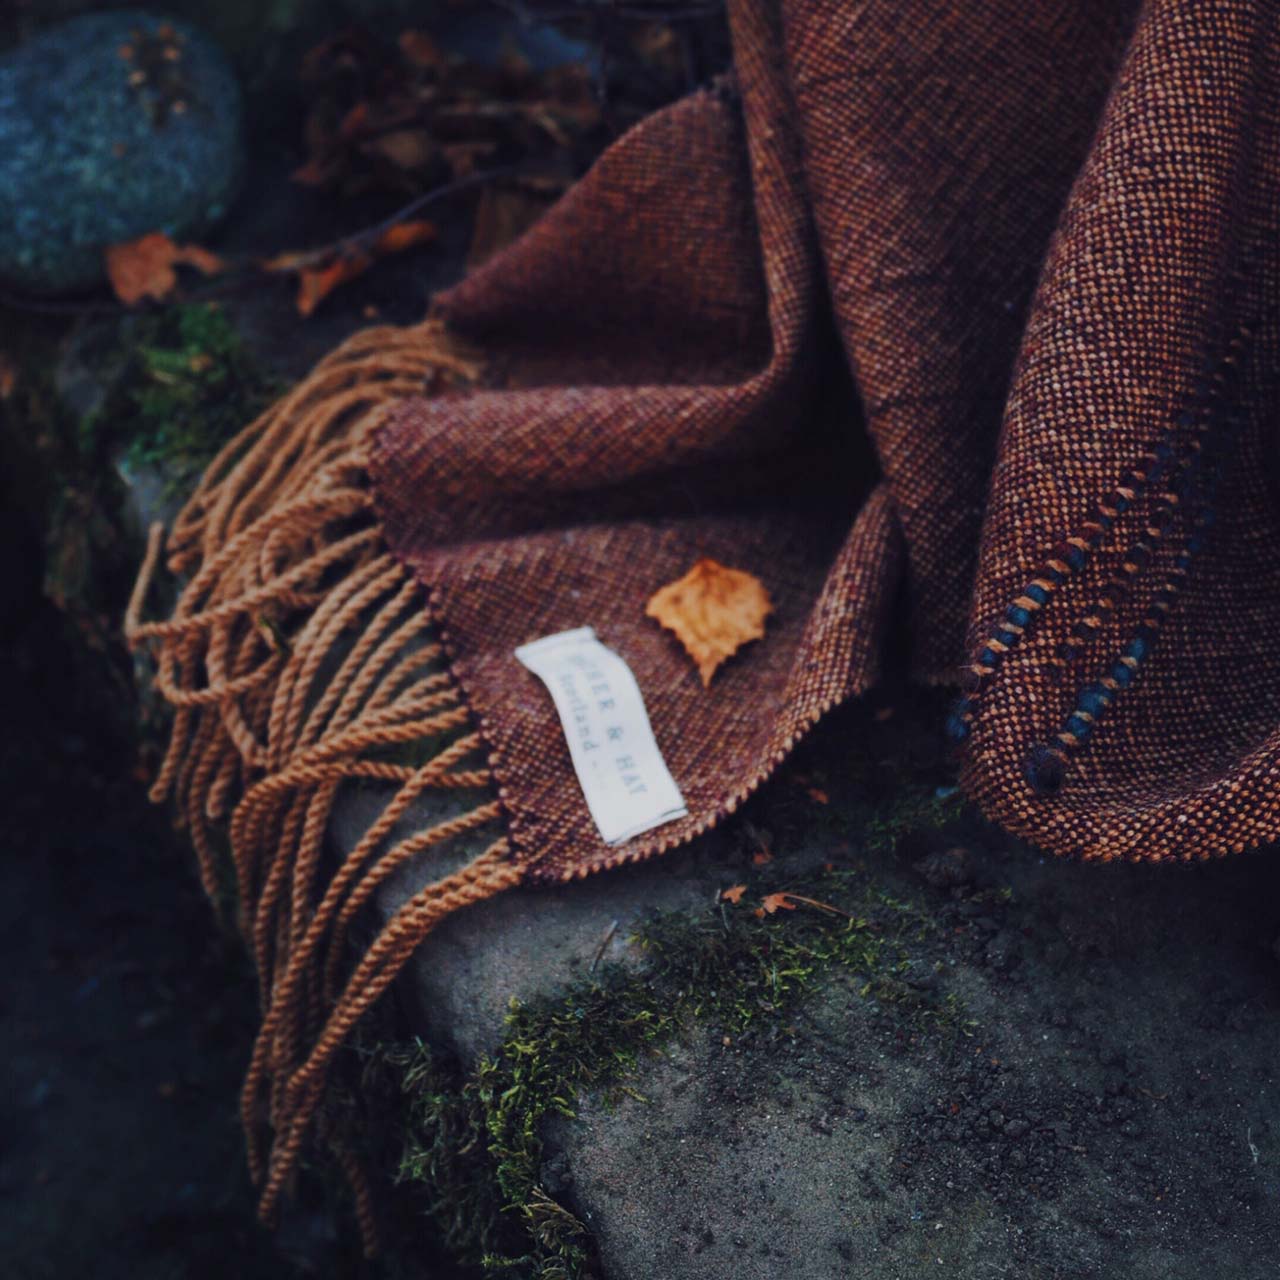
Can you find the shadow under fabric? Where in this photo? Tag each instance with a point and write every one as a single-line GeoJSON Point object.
{"type": "Point", "coordinates": [1043, 241]}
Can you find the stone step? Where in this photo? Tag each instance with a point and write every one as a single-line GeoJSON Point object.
{"type": "Point", "coordinates": [1054, 1070]}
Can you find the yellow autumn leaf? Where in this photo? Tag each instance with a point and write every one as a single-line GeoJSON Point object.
{"type": "Point", "coordinates": [713, 611]}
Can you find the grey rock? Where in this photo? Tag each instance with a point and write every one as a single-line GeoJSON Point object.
{"type": "Point", "coordinates": [529, 942]}
{"type": "Point", "coordinates": [111, 126]}
{"type": "Point", "coordinates": [857, 1143]}
{"type": "Point", "coordinates": [656, 1183]}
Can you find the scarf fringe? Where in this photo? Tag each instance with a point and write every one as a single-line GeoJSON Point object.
{"type": "Point", "coordinates": [276, 706]}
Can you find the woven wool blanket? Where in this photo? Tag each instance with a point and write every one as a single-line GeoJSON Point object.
{"type": "Point", "coordinates": [956, 317]}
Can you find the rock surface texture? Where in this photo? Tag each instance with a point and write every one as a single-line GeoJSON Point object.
{"type": "Point", "coordinates": [111, 126]}
{"type": "Point", "coordinates": [1067, 1071]}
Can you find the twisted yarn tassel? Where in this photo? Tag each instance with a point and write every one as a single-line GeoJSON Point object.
{"type": "Point", "coordinates": [300, 655]}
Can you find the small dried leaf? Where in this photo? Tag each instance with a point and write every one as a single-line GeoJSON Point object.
{"type": "Point", "coordinates": [776, 902]}
{"type": "Point", "coordinates": [714, 611]}
{"type": "Point", "coordinates": [316, 283]}
{"type": "Point", "coordinates": [733, 894]}
{"type": "Point", "coordinates": [788, 901]}
{"type": "Point", "coordinates": [144, 268]}
{"type": "Point", "coordinates": [407, 149]}
{"type": "Point", "coordinates": [299, 261]}
{"type": "Point", "coordinates": [321, 271]}
{"type": "Point", "coordinates": [404, 235]}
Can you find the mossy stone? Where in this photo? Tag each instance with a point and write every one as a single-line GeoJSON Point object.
{"type": "Point", "coordinates": [111, 126]}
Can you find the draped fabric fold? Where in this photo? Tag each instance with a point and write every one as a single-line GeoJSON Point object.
{"type": "Point", "coordinates": [963, 316]}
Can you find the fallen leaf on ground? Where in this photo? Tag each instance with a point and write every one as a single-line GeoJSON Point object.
{"type": "Point", "coordinates": [144, 268]}
{"type": "Point", "coordinates": [405, 148]}
{"type": "Point", "coordinates": [295, 261]}
{"type": "Point", "coordinates": [404, 235]}
{"type": "Point", "coordinates": [777, 902]}
{"type": "Point", "coordinates": [8, 375]}
{"type": "Point", "coordinates": [714, 611]}
{"type": "Point", "coordinates": [407, 116]}
{"type": "Point", "coordinates": [787, 902]}
{"type": "Point", "coordinates": [733, 894]}
{"type": "Point", "coordinates": [321, 271]}
{"type": "Point", "coordinates": [317, 283]}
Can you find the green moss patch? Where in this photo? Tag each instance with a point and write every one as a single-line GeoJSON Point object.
{"type": "Point", "coordinates": [189, 385]}
{"type": "Point", "coordinates": [474, 1147]}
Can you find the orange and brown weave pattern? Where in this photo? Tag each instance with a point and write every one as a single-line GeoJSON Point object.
{"type": "Point", "coordinates": [970, 311]}
{"type": "Point", "coordinates": [1032, 226]}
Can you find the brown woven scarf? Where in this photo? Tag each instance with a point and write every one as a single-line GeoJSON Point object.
{"type": "Point", "coordinates": [963, 315]}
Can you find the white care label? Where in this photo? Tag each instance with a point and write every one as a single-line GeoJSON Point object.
{"type": "Point", "coordinates": [624, 778]}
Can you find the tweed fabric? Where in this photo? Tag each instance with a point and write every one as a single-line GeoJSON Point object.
{"type": "Point", "coordinates": [881, 322]}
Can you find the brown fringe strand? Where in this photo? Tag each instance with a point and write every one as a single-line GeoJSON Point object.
{"type": "Point", "coordinates": [300, 657]}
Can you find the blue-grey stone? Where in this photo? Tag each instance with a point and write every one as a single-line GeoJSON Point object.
{"type": "Point", "coordinates": [111, 126]}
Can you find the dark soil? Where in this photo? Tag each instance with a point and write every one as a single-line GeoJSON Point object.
{"type": "Point", "coordinates": [125, 1018]}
